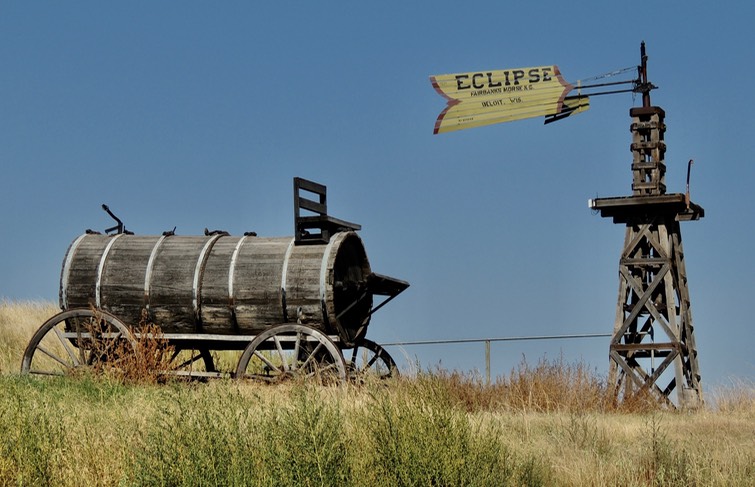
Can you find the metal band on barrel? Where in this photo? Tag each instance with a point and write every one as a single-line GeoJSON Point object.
{"type": "Point", "coordinates": [65, 274]}
{"type": "Point", "coordinates": [101, 267]}
{"type": "Point", "coordinates": [232, 272]}
{"type": "Point", "coordinates": [324, 275]}
{"type": "Point", "coordinates": [284, 276]}
{"type": "Point", "coordinates": [148, 272]}
{"type": "Point", "coordinates": [198, 270]}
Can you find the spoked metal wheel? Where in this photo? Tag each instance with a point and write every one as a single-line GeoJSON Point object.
{"type": "Point", "coordinates": [291, 351]}
{"type": "Point", "coordinates": [368, 359]}
{"type": "Point", "coordinates": [76, 339]}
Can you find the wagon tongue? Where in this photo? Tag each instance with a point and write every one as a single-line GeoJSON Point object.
{"type": "Point", "coordinates": [375, 284]}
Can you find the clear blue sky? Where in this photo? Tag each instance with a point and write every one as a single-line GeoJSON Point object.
{"type": "Point", "coordinates": [199, 114]}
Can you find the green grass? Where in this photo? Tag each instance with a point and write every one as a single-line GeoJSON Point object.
{"type": "Point", "coordinates": [544, 424]}
{"type": "Point", "coordinates": [91, 431]}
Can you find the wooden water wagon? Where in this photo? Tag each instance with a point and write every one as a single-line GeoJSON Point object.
{"type": "Point", "coordinates": [292, 305]}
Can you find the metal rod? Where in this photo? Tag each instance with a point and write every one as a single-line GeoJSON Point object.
{"type": "Point", "coordinates": [686, 195]}
{"type": "Point", "coordinates": [374, 310]}
{"type": "Point", "coordinates": [632, 90]}
{"type": "Point", "coordinates": [351, 306]}
{"type": "Point", "coordinates": [644, 76]}
{"type": "Point", "coordinates": [502, 339]}
{"type": "Point", "coordinates": [612, 83]}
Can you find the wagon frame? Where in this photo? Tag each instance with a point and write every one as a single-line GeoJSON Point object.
{"type": "Point", "coordinates": [84, 336]}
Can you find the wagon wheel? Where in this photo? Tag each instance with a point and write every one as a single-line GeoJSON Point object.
{"type": "Point", "coordinates": [76, 339]}
{"type": "Point", "coordinates": [292, 351]}
{"type": "Point", "coordinates": [368, 359]}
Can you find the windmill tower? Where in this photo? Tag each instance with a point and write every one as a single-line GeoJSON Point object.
{"type": "Point", "coordinates": [653, 348]}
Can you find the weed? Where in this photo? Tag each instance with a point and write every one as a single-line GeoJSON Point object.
{"type": "Point", "coordinates": [533, 472]}
{"type": "Point", "coordinates": [306, 423]}
{"type": "Point", "coordinates": [583, 431]}
{"type": "Point", "coordinates": [404, 426]}
{"type": "Point", "coordinates": [196, 437]}
{"type": "Point", "coordinates": [663, 464]}
{"type": "Point", "coordinates": [32, 444]}
{"type": "Point", "coordinates": [144, 360]}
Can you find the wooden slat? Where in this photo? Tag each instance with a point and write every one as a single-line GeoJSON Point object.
{"type": "Point", "coordinates": [307, 204]}
{"type": "Point", "coordinates": [310, 186]}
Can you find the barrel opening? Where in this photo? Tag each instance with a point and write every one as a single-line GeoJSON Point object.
{"type": "Point", "coordinates": [351, 300]}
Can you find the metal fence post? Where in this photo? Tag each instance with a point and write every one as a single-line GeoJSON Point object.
{"type": "Point", "coordinates": [487, 362]}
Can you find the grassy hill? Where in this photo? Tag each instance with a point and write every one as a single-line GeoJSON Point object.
{"type": "Point", "coordinates": [550, 423]}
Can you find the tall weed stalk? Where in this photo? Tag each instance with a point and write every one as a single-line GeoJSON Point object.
{"type": "Point", "coordinates": [418, 436]}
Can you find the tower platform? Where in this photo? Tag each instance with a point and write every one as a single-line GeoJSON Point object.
{"type": "Point", "coordinates": [626, 209]}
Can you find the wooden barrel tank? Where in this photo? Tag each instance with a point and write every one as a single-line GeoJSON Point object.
{"type": "Point", "coordinates": [221, 284]}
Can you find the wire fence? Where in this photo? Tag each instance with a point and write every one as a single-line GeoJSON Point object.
{"type": "Point", "coordinates": [488, 341]}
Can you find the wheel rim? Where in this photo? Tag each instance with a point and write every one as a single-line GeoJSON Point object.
{"type": "Point", "coordinates": [76, 339]}
{"type": "Point", "coordinates": [368, 359]}
{"type": "Point", "coordinates": [292, 351]}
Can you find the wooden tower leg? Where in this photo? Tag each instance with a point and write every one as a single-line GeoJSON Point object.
{"type": "Point", "coordinates": [653, 348]}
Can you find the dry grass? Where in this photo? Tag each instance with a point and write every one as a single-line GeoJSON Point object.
{"type": "Point", "coordinates": [547, 387]}
{"type": "Point", "coordinates": [737, 396]}
{"type": "Point", "coordinates": [18, 322]}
